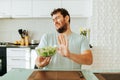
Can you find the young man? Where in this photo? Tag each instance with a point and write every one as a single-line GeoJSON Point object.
{"type": "Point", "coordinates": [73, 49]}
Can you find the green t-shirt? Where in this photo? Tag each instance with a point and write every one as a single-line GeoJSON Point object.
{"type": "Point", "coordinates": [77, 44]}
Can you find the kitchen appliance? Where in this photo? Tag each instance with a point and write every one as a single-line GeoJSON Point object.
{"type": "Point", "coordinates": [3, 62]}
{"type": "Point", "coordinates": [0, 64]}
{"type": "Point", "coordinates": [3, 43]}
{"type": "Point", "coordinates": [33, 41]}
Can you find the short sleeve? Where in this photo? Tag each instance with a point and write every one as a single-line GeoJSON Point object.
{"type": "Point", "coordinates": [85, 45]}
{"type": "Point", "coordinates": [43, 41]}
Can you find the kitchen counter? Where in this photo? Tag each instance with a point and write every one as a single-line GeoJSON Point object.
{"type": "Point", "coordinates": [104, 70]}
{"type": "Point", "coordinates": [107, 74]}
{"type": "Point", "coordinates": [19, 46]}
{"type": "Point", "coordinates": [29, 74]}
{"type": "Point", "coordinates": [24, 74]}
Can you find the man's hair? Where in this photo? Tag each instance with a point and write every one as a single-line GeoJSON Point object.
{"type": "Point", "coordinates": [63, 11]}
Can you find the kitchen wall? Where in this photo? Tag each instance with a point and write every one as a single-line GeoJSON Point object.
{"type": "Point", "coordinates": [36, 27]}
{"type": "Point", "coordinates": [105, 34]}
{"type": "Point", "coordinates": [104, 25]}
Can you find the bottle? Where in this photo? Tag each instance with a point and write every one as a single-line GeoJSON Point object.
{"type": "Point", "coordinates": [22, 42]}
{"type": "Point", "coordinates": [26, 40]}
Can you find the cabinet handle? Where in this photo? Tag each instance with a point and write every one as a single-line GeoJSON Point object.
{"type": "Point", "coordinates": [18, 59]}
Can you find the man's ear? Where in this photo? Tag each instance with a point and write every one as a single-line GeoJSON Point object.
{"type": "Point", "coordinates": [67, 18]}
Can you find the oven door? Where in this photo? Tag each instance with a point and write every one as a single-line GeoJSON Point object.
{"type": "Point", "coordinates": [0, 65]}
{"type": "Point", "coordinates": [3, 67]}
{"type": "Point", "coordinates": [1, 71]}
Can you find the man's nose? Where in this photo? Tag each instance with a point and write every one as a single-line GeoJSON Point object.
{"type": "Point", "coordinates": [55, 21]}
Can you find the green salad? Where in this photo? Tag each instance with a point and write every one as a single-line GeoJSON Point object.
{"type": "Point", "coordinates": [46, 51]}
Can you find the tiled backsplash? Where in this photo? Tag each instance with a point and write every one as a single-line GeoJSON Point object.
{"type": "Point", "coordinates": [36, 27]}
{"type": "Point", "coordinates": [105, 34]}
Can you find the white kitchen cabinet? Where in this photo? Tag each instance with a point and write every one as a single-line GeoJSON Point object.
{"type": "Point", "coordinates": [21, 8]}
{"type": "Point", "coordinates": [33, 57]}
{"type": "Point", "coordinates": [5, 8]}
{"type": "Point", "coordinates": [43, 8]}
{"type": "Point", "coordinates": [18, 58]}
{"type": "Point", "coordinates": [78, 8]}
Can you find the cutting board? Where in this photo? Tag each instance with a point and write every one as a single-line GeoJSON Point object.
{"type": "Point", "coordinates": [56, 75]}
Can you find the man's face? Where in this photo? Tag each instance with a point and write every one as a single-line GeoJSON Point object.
{"type": "Point", "coordinates": [59, 22]}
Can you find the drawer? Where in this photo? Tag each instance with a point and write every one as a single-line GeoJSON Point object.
{"type": "Point", "coordinates": [9, 67]}
{"type": "Point", "coordinates": [18, 58]}
{"type": "Point", "coordinates": [13, 61]}
{"type": "Point", "coordinates": [18, 52]}
{"type": "Point", "coordinates": [20, 63]}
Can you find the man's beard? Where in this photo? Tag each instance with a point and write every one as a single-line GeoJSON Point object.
{"type": "Point", "coordinates": [62, 29]}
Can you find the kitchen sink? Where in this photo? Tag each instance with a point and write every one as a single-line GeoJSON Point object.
{"type": "Point", "coordinates": [108, 76]}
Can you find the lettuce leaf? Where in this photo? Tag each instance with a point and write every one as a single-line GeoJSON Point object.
{"type": "Point", "coordinates": [46, 51]}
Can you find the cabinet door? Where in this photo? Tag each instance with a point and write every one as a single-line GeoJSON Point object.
{"type": "Point", "coordinates": [5, 8]}
{"type": "Point", "coordinates": [21, 52]}
{"type": "Point", "coordinates": [43, 8]}
{"type": "Point", "coordinates": [18, 58]}
{"type": "Point", "coordinates": [33, 57]}
{"type": "Point", "coordinates": [21, 8]}
{"type": "Point", "coordinates": [78, 8]}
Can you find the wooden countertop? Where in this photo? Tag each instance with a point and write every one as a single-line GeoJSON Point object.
{"type": "Point", "coordinates": [31, 74]}
{"type": "Point", "coordinates": [56, 75]}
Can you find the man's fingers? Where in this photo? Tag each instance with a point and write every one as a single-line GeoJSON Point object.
{"type": "Point", "coordinates": [61, 39]}
{"type": "Point", "coordinates": [43, 61]}
{"type": "Point", "coordinates": [48, 59]}
{"type": "Point", "coordinates": [67, 44]}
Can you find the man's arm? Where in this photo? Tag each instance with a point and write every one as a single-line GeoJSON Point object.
{"type": "Point", "coordinates": [83, 58]}
{"type": "Point", "coordinates": [42, 61]}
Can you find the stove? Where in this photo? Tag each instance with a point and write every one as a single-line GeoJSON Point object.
{"type": "Point", "coordinates": [3, 43]}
